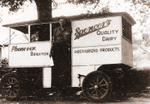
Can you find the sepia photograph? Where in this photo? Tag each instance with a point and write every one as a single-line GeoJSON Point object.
{"type": "Point", "coordinates": [74, 51]}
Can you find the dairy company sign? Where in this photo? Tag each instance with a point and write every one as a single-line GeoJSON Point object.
{"type": "Point", "coordinates": [96, 40]}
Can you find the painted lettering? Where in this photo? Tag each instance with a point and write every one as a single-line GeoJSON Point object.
{"type": "Point", "coordinates": [113, 49]}
{"type": "Point", "coordinates": [108, 38]}
{"type": "Point", "coordinates": [82, 32]}
{"type": "Point", "coordinates": [16, 48]}
{"type": "Point", "coordinates": [86, 51]}
{"type": "Point", "coordinates": [39, 54]}
{"type": "Point", "coordinates": [107, 32]}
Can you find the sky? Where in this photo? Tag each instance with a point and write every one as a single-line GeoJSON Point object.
{"type": "Point", "coordinates": [23, 14]}
{"type": "Point", "coordinates": [28, 12]}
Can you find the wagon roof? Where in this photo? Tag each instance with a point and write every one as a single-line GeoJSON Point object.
{"type": "Point", "coordinates": [72, 18]}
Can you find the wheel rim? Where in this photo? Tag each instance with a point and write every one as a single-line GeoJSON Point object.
{"type": "Point", "coordinates": [97, 87]}
{"type": "Point", "coordinates": [10, 88]}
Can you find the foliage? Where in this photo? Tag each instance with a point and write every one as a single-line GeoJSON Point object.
{"type": "Point", "coordinates": [12, 4]}
{"type": "Point", "coordinates": [16, 4]}
{"type": "Point", "coordinates": [4, 62]}
{"type": "Point", "coordinates": [144, 2]}
{"type": "Point", "coordinates": [83, 1]}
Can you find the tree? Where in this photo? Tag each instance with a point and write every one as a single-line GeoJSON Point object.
{"type": "Point", "coordinates": [43, 7]}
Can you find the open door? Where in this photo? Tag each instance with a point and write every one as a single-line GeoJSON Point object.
{"type": "Point", "coordinates": [61, 53]}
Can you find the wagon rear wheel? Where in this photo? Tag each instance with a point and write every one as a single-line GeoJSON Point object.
{"type": "Point", "coordinates": [10, 87]}
{"type": "Point", "coordinates": [97, 86]}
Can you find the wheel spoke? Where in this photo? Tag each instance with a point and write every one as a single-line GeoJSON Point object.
{"type": "Point", "coordinates": [9, 80]}
{"type": "Point", "coordinates": [91, 88]}
{"type": "Point", "coordinates": [102, 81]}
{"type": "Point", "coordinates": [16, 85]}
{"type": "Point", "coordinates": [10, 93]}
{"type": "Point", "coordinates": [93, 92]}
{"type": "Point", "coordinates": [103, 85]}
{"type": "Point", "coordinates": [14, 93]}
{"type": "Point", "coordinates": [91, 84]}
{"type": "Point", "coordinates": [104, 90]}
{"type": "Point", "coordinates": [6, 83]}
{"type": "Point", "coordinates": [97, 80]}
{"type": "Point", "coordinates": [100, 93]}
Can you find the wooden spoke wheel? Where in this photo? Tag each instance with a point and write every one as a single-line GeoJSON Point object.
{"type": "Point", "coordinates": [97, 86]}
{"type": "Point", "coordinates": [10, 87]}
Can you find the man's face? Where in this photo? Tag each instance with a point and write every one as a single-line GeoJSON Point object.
{"type": "Point", "coordinates": [61, 21]}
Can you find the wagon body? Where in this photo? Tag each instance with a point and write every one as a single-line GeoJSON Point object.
{"type": "Point", "coordinates": [99, 45]}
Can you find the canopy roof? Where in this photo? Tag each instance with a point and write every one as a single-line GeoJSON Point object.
{"type": "Point", "coordinates": [72, 18]}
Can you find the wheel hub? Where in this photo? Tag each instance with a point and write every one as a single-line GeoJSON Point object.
{"type": "Point", "coordinates": [95, 86]}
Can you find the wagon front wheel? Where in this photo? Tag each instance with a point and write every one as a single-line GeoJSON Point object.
{"type": "Point", "coordinates": [97, 86]}
{"type": "Point", "coordinates": [10, 87]}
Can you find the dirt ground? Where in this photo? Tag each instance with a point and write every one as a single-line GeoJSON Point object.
{"type": "Point", "coordinates": [132, 98]}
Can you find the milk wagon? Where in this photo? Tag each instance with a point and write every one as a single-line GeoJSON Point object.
{"type": "Point", "coordinates": [89, 53]}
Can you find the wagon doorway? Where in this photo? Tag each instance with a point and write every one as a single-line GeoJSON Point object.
{"type": "Point", "coordinates": [61, 53]}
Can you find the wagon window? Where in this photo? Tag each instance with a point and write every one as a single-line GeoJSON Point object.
{"type": "Point", "coordinates": [19, 34]}
{"type": "Point", "coordinates": [39, 32]}
{"type": "Point", "coordinates": [127, 33]}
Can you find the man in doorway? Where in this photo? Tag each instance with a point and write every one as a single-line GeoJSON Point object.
{"type": "Point", "coordinates": [61, 54]}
